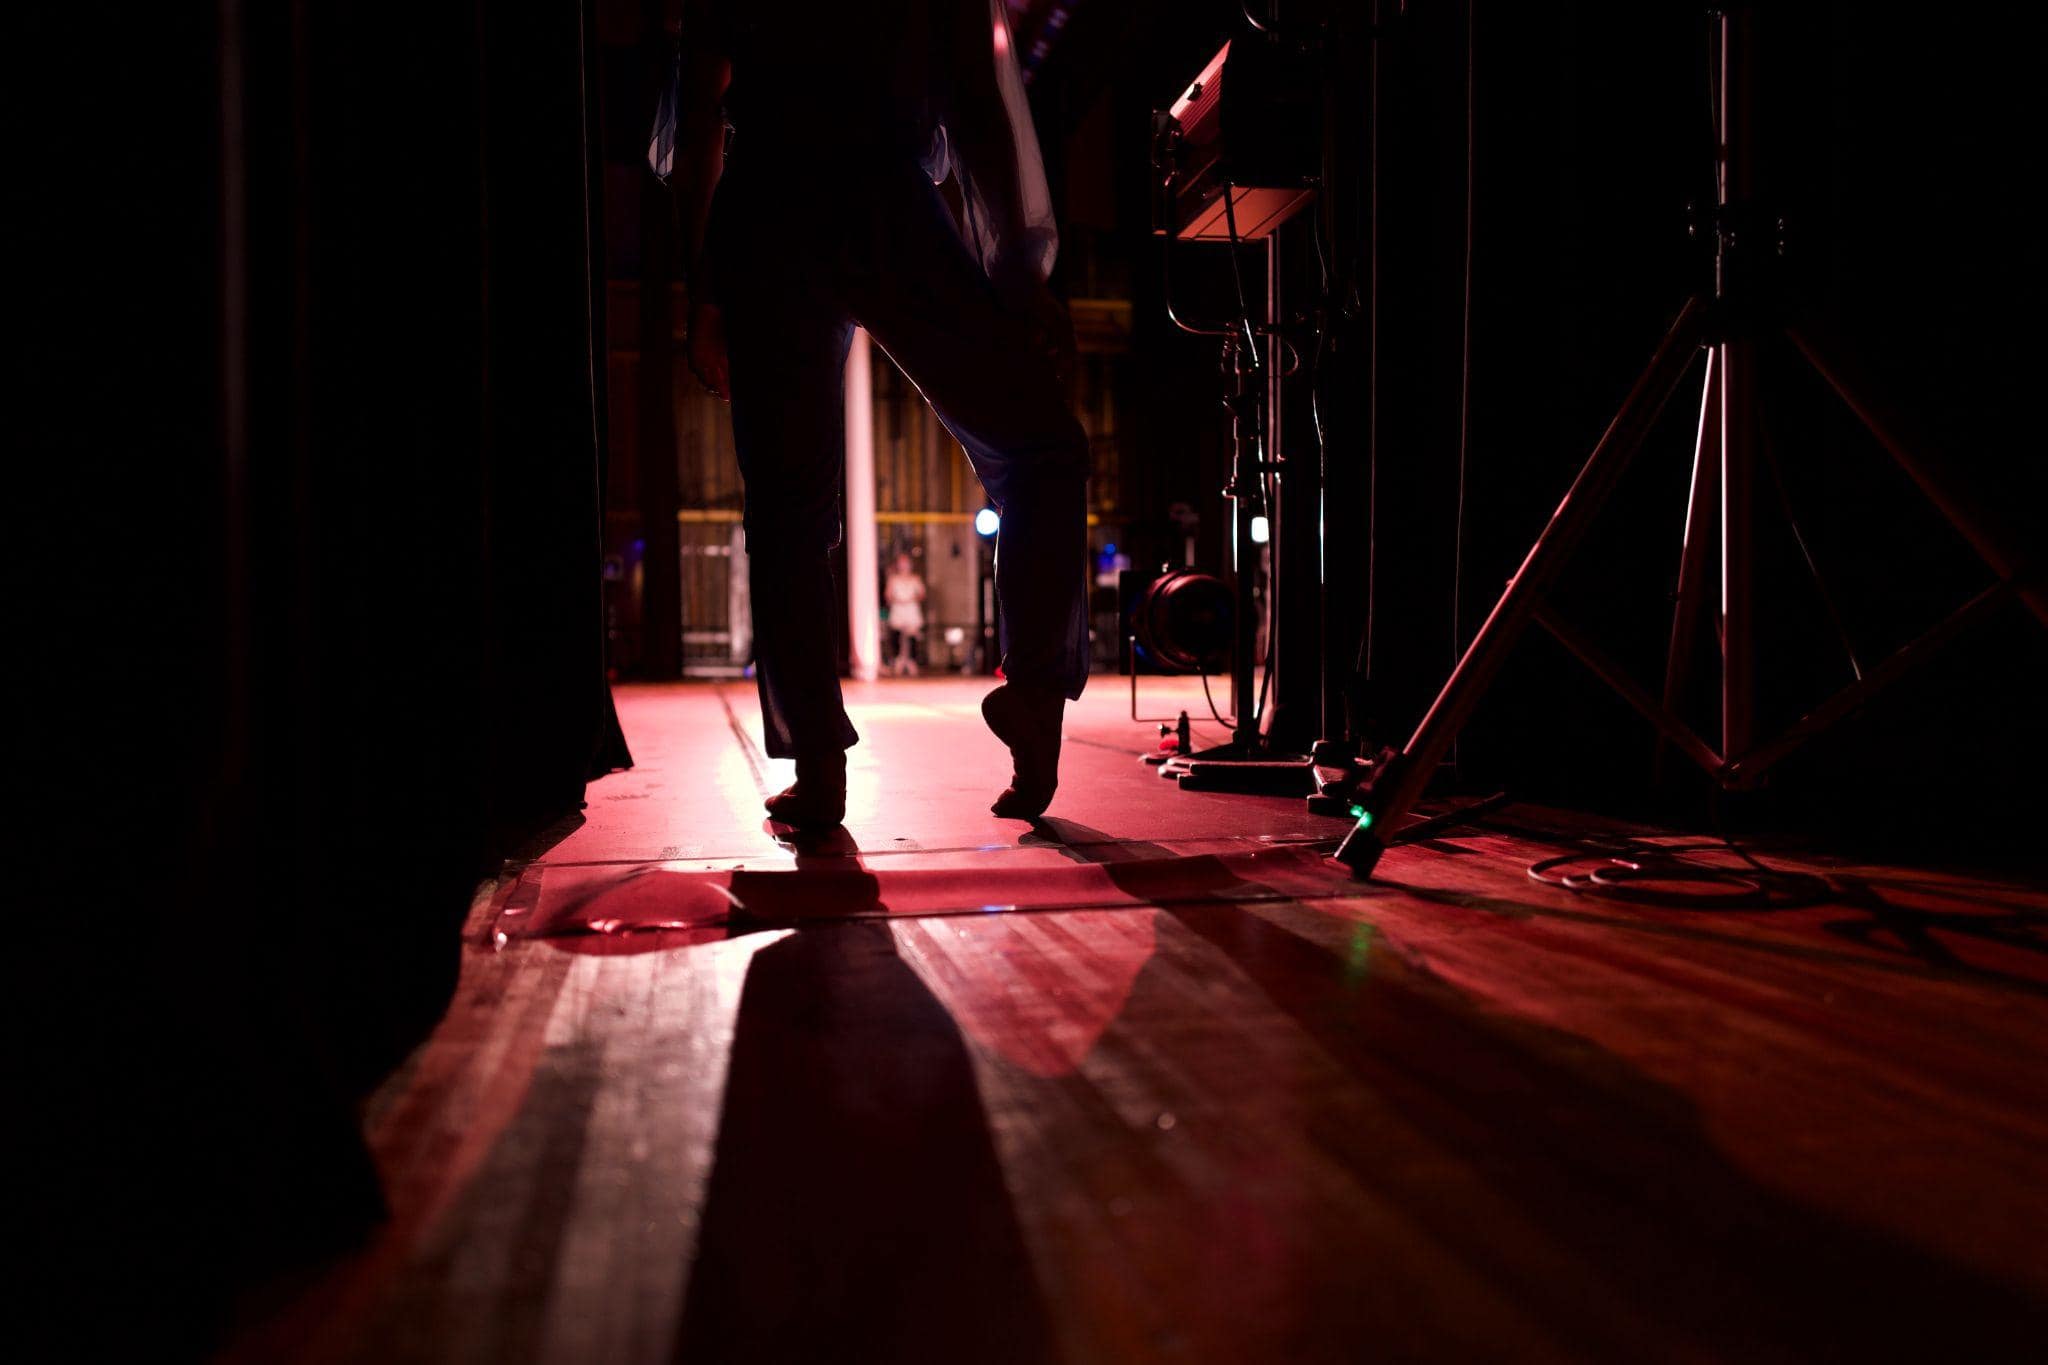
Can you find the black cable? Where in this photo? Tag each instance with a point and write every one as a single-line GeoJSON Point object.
{"type": "Point", "coordinates": [1625, 866]}
{"type": "Point", "coordinates": [1265, 669]}
{"type": "Point", "coordinates": [1372, 378]}
{"type": "Point", "coordinates": [1329, 725]}
{"type": "Point", "coordinates": [1244, 308]}
{"type": "Point", "coordinates": [1629, 862]}
{"type": "Point", "coordinates": [1322, 255]}
{"type": "Point", "coordinates": [1265, 474]}
{"type": "Point", "coordinates": [1216, 715]}
{"type": "Point", "coordinates": [1315, 421]}
{"type": "Point", "coordinates": [1714, 113]}
{"type": "Point", "coordinates": [1464, 377]}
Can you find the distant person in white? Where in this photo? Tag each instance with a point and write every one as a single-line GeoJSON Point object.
{"type": "Point", "coordinates": [904, 592]}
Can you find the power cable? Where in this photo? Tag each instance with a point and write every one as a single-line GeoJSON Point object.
{"type": "Point", "coordinates": [1244, 308]}
{"type": "Point", "coordinates": [1230, 724]}
{"type": "Point", "coordinates": [1372, 343]}
{"type": "Point", "coordinates": [1265, 473]}
{"type": "Point", "coordinates": [1645, 873]}
{"type": "Point", "coordinates": [1464, 371]}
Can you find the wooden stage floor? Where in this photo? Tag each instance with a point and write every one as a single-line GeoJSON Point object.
{"type": "Point", "coordinates": [1153, 1081]}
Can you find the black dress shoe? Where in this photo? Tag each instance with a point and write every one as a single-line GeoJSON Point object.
{"type": "Point", "coordinates": [817, 799]}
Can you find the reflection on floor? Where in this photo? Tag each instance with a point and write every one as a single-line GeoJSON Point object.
{"type": "Point", "coordinates": [1152, 1081]}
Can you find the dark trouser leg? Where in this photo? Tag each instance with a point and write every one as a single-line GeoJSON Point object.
{"type": "Point", "coordinates": [930, 307]}
{"type": "Point", "coordinates": [788, 354]}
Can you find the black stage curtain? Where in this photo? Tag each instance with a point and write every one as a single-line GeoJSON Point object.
{"type": "Point", "coordinates": [1891, 145]}
{"type": "Point", "coordinates": [318, 379]}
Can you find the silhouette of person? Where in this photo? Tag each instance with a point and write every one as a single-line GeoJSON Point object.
{"type": "Point", "coordinates": [823, 211]}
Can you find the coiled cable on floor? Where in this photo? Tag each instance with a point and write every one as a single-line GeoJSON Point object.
{"type": "Point", "coordinates": [1645, 873]}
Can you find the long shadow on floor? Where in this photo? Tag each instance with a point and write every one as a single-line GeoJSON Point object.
{"type": "Point", "coordinates": [856, 1210]}
{"type": "Point", "coordinates": [1615, 1169]}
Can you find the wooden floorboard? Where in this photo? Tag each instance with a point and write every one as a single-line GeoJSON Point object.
{"type": "Point", "coordinates": [1262, 1114]}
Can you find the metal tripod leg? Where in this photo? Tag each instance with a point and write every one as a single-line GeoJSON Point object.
{"type": "Point", "coordinates": [2019, 569]}
{"type": "Point", "coordinates": [1692, 558]}
{"type": "Point", "coordinates": [1403, 778]}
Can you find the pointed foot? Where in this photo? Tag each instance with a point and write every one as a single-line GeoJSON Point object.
{"type": "Point", "coordinates": [1029, 723]}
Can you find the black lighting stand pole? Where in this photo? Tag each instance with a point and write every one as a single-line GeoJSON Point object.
{"type": "Point", "coordinates": [1265, 489]}
{"type": "Point", "coordinates": [1246, 407]}
{"type": "Point", "coordinates": [1729, 322]}
{"type": "Point", "coordinates": [1250, 761]}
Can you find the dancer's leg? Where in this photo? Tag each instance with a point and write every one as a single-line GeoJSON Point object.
{"type": "Point", "coordinates": [927, 303]}
{"type": "Point", "coordinates": [787, 345]}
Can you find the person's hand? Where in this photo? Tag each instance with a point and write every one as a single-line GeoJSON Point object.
{"type": "Point", "coordinates": [706, 349]}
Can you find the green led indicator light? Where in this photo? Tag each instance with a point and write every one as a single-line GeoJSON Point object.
{"type": "Point", "coordinates": [1364, 817]}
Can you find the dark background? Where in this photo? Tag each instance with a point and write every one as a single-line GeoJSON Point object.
{"type": "Point", "coordinates": [316, 447]}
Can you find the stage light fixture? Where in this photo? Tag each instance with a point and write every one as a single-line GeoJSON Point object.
{"type": "Point", "coordinates": [986, 521]}
{"type": "Point", "coordinates": [1261, 530]}
{"type": "Point", "coordinates": [1181, 622]}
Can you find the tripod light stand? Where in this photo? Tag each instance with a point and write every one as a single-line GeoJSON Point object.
{"type": "Point", "coordinates": [1728, 323]}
